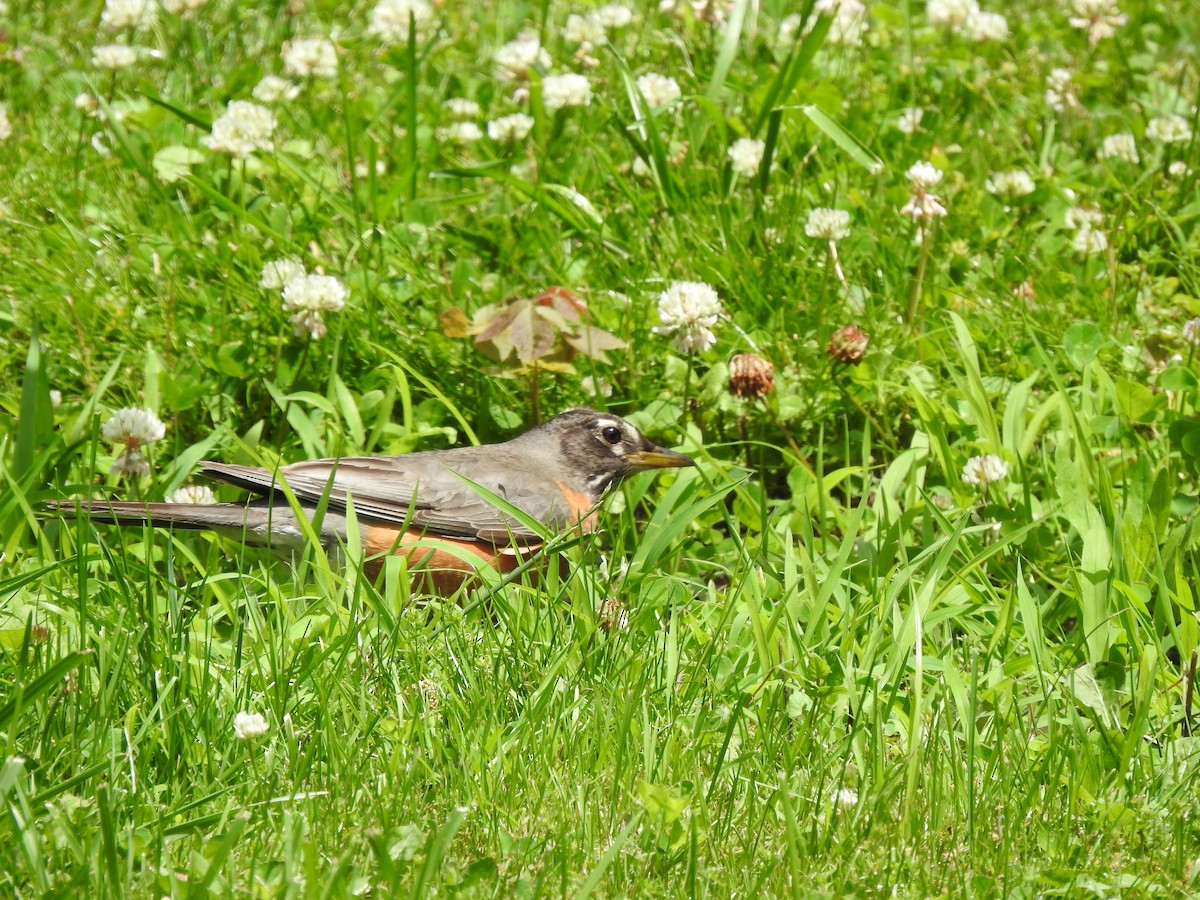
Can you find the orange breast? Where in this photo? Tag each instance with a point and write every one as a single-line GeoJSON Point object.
{"type": "Point", "coordinates": [579, 505]}
{"type": "Point", "coordinates": [445, 564]}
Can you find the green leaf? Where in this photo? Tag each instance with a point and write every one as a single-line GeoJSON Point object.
{"type": "Point", "coordinates": [661, 802]}
{"type": "Point", "coordinates": [409, 839]}
{"type": "Point", "coordinates": [728, 52]}
{"type": "Point", "coordinates": [227, 361]}
{"type": "Point", "coordinates": [793, 69]}
{"type": "Point", "coordinates": [192, 119]}
{"type": "Point", "coordinates": [1093, 588]}
{"type": "Point", "coordinates": [1177, 378]}
{"type": "Point", "coordinates": [597, 874]}
{"type": "Point", "coordinates": [1083, 343]}
{"type": "Point", "coordinates": [37, 415]}
{"type": "Point", "coordinates": [1191, 441]}
{"type": "Point", "coordinates": [1088, 690]}
{"type": "Point", "coordinates": [22, 695]}
{"type": "Point", "coordinates": [435, 848]}
{"type": "Point", "coordinates": [844, 139]}
{"type": "Point", "coordinates": [175, 163]}
{"type": "Point", "coordinates": [1138, 402]}
{"type": "Point", "coordinates": [177, 471]}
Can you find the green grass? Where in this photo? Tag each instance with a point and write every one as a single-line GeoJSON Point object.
{"type": "Point", "coordinates": [820, 664]}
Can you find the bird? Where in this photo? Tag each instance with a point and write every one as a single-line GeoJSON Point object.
{"type": "Point", "coordinates": [425, 505]}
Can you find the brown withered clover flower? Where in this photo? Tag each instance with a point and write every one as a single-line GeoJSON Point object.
{"type": "Point", "coordinates": [751, 376]}
{"type": "Point", "coordinates": [848, 345]}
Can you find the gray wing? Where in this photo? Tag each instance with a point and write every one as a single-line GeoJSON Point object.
{"type": "Point", "coordinates": [418, 490]}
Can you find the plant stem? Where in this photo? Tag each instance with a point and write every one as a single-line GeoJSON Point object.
{"type": "Point", "coordinates": [919, 283]}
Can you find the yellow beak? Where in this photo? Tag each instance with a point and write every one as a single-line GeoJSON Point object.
{"type": "Point", "coordinates": [657, 458]}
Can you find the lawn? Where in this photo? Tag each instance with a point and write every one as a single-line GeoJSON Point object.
{"type": "Point", "coordinates": [917, 285]}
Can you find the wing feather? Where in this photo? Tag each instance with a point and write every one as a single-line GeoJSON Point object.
{"type": "Point", "coordinates": [418, 489]}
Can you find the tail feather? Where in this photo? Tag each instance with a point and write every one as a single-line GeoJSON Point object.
{"type": "Point", "coordinates": [179, 515]}
{"type": "Point", "coordinates": [254, 523]}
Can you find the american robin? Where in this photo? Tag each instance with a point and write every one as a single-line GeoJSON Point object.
{"type": "Point", "coordinates": [423, 505]}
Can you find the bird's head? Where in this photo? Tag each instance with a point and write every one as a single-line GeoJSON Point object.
{"type": "Point", "coordinates": [600, 450]}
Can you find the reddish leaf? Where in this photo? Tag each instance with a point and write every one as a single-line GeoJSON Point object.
{"type": "Point", "coordinates": [455, 323]}
{"type": "Point", "coordinates": [569, 304]}
{"type": "Point", "coordinates": [594, 342]}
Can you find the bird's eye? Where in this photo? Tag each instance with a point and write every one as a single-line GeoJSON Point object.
{"type": "Point", "coordinates": [612, 434]}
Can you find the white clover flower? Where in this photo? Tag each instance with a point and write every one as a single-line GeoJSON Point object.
{"type": "Point", "coordinates": [120, 14]}
{"type": "Point", "coordinates": [244, 128]}
{"type": "Point", "coordinates": [613, 15]}
{"type": "Point", "coordinates": [362, 170]}
{"type": "Point", "coordinates": [789, 27]}
{"type": "Point", "coordinates": [312, 57]}
{"type": "Point", "coordinates": [828, 224]}
{"type": "Point", "coordinates": [745, 156]}
{"type": "Point", "coordinates": [249, 726]}
{"type": "Point", "coordinates": [516, 58]}
{"type": "Point", "coordinates": [596, 387]}
{"type": "Point", "coordinates": [984, 26]}
{"type": "Point", "coordinates": [949, 14]}
{"type": "Point", "coordinates": [845, 799]}
{"type": "Point", "coordinates": [272, 89]}
{"type": "Point", "coordinates": [923, 175]}
{"type": "Point", "coordinates": [849, 21]}
{"type": "Point", "coordinates": [846, 30]}
{"type": "Point", "coordinates": [390, 19]}
{"type": "Point", "coordinates": [133, 428]}
{"type": "Point", "coordinates": [981, 471]}
{"type": "Point", "coordinates": [689, 310]}
{"type": "Point", "coordinates": [1082, 217]}
{"type": "Point", "coordinates": [131, 464]}
{"type": "Point", "coordinates": [5, 125]}
{"type": "Point", "coordinates": [196, 494]}
{"type": "Point", "coordinates": [658, 90]}
{"type": "Point", "coordinates": [460, 133]}
{"type": "Point", "coordinates": [524, 169]}
{"type": "Point", "coordinates": [910, 119]}
{"type": "Point", "coordinates": [1191, 331]}
{"type": "Point", "coordinates": [1178, 169]}
{"type": "Point", "coordinates": [1121, 147]}
{"type": "Point", "coordinates": [279, 273]}
{"type": "Point", "coordinates": [923, 206]}
{"type": "Point", "coordinates": [1169, 129]}
{"type": "Point", "coordinates": [1089, 241]}
{"type": "Point", "coordinates": [582, 30]}
{"type": "Point", "coordinates": [1061, 93]}
{"type": "Point", "coordinates": [309, 297]}
{"type": "Point", "coordinates": [562, 91]}
{"type": "Point", "coordinates": [87, 104]}
{"type": "Point", "coordinates": [308, 323]}
{"type": "Point", "coordinates": [1099, 18]}
{"type": "Point", "coordinates": [1010, 185]}
{"type": "Point", "coordinates": [612, 615]}
{"type": "Point", "coordinates": [114, 57]}
{"type": "Point", "coordinates": [182, 8]}
{"type": "Point", "coordinates": [710, 12]}
{"type": "Point", "coordinates": [461, 108]}
{"type": "Point", "coordinates": [510, 129]}
{"type": "Point", "coordinates": [320, 293]}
